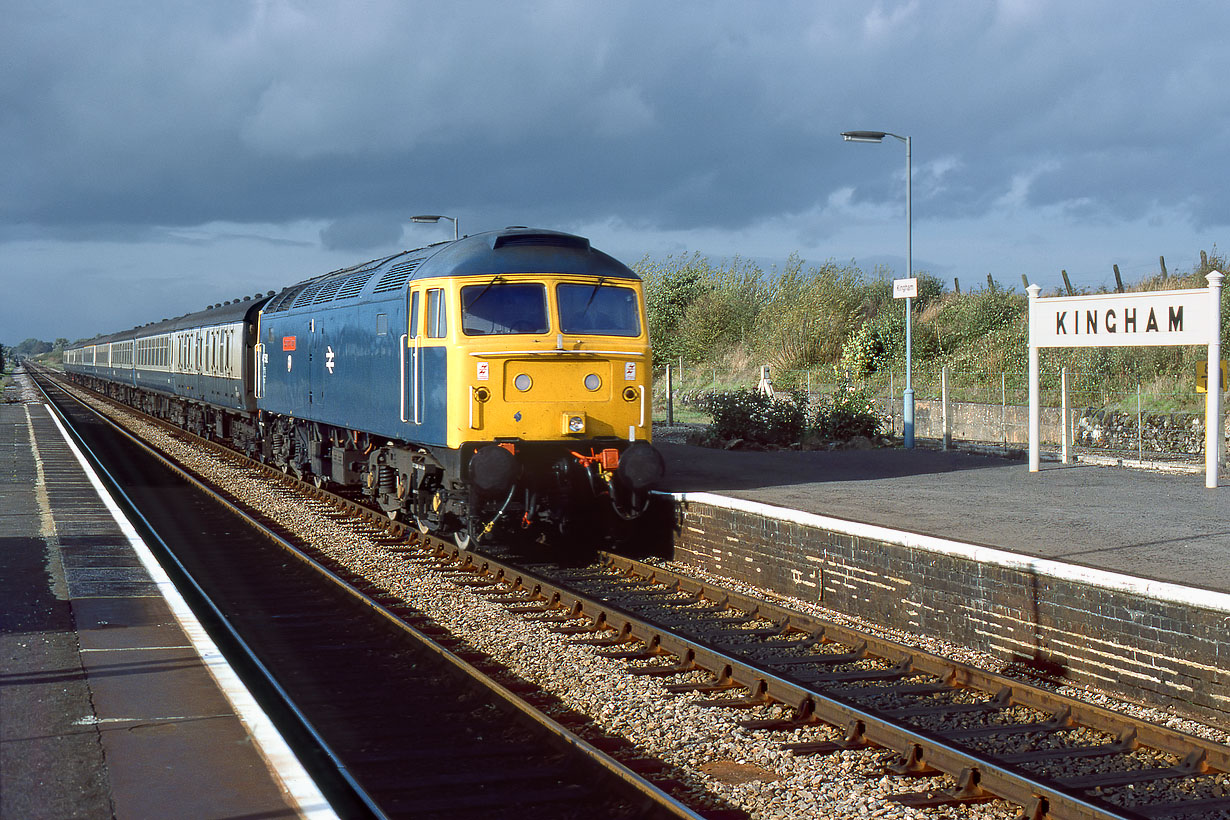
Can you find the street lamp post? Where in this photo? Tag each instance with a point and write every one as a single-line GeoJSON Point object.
{"type": "Point", "coordinates": [907, 397]}
{"type": "Point", "coordinates": [432, 218]}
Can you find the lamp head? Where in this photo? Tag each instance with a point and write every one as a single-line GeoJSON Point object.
{"type": "Point", "coordinates": [863, 136]}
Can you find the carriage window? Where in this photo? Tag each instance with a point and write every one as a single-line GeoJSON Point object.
{"type": "Point", "coordinates": [382, 324]}
{"type": "Point", "coordinates": [437, 322]}
{"type": "Point", "coordinates": [494, 309]}
{"type": "Point", "coordinates": [598, 309]}
{"type": "Point", "coordinates": [414, 315]}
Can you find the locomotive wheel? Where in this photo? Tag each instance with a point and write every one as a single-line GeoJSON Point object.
{"type": "Point", "coordinates": [462, 538]}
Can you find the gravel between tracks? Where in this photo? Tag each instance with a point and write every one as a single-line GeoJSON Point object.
{"type": "Point", "coordinates": [718, 761]}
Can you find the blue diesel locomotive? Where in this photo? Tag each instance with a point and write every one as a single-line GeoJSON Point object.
{"type": "Point", "coordinates": [499, 382]}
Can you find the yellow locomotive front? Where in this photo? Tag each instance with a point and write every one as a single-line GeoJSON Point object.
{"type": "Point", "coordinates": [550, 401]}
{"type": "Point", "coordinates": [551, 358]}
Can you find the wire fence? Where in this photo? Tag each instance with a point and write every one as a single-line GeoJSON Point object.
{"type": "Point", "coordinates": [1162, 418]}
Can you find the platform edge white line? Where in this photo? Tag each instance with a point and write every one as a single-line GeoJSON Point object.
{"type": "Point", "coordinates": [1105, 579]}
{"type": "Point", "coordinates": [300, 787]}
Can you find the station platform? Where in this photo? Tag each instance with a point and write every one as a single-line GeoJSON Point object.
{"type": "Point", "coordinates": [1107, 576]}
{"type": "Point", "coordinates": [1165, 527]}
{"type": "Point", "coordinates": [113, 700]}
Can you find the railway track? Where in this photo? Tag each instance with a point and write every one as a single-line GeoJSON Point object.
{"type": "Point", "coordinates": [390, 719]}
{"type": "Point", "coordinates": [1055, 756]}
{"type": "Point", "coordinates": [994, 736]}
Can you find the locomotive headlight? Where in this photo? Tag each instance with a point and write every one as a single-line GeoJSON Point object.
{"type": "Point", "coordinates": [523, 382]}
{"type": "Point", "coordinates": [592, 382]}
{"type": "Point", "coordinates": [574, 423]}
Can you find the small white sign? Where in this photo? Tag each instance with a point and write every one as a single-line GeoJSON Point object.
{"type": "Point", "coordinates": [484, 371]}
{"type": "Point", "coordinates": [629, 371]}
{"type": "Point", "coordinates": [905, 288]}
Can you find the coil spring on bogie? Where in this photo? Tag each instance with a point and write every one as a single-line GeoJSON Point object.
{"type": "Point", "coordinates": [386, 479]}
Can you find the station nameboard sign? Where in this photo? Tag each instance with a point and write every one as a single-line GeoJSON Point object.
{"type": "Point", "coordinates": [1171, 317]}
{"type": "Point", "coordinates": [1167, 317]}
{"type": "Point", "coordinates": [905, 288]}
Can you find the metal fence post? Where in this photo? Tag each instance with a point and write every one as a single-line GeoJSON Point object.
{"type": "Point", "coordinates": [1003, 405]}
{"type": "Point", "coordinates": [1140, 426]}
{"type": "Point", "coordinates": [892, 414]}
{"type": "Point", "coordinates": [1063, 416]}
{"type": "Point", "coordinates": [670, 396]}
{"type": "Point", "coordinates": [947, 434]}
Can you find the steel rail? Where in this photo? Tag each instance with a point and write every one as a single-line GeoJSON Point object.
{"type": "Point", "coordinates": [919, 750]}
{"type": "Point", "coordinates": [1148, 734]}
{"type": "Point", "coordinates": [582, 747]}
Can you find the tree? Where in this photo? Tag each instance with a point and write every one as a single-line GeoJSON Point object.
{"type": "Point", "coordinates": [33, 347]}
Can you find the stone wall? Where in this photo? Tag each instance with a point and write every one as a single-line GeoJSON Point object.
{"type": "Point", "coordinates": [1157, 643]}
{"type": "Point", "coordinates": [997, 424]}
{"type": "Point", "coordinates": [1167, 433]}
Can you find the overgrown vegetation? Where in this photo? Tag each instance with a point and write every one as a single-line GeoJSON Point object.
{"type": "Point", "coordinates": [838, 326]}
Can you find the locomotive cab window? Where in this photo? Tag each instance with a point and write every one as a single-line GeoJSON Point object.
{"type": "Point", "coordinates": [601, 310]}
{"type": "Point", "coordinates": [437, 320]}
{"type": "Point", "coordinates": [495, 309]}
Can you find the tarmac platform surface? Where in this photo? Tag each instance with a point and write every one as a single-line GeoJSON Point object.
{"type": "Point", "coordinates": [1153, 525]}
{"type": "Point", "coordinates": [113, 702]}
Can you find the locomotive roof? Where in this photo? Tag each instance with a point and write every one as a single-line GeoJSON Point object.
{"type": "Point", "coordinates": [512, 250]}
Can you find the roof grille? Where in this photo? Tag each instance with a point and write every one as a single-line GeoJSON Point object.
{"type": "Point", "coordinates": [284, 301]}
{"type": "Point", "coordinates": [307, 295]}
{"type": "Point", "coordinates": [353, 285]}
{"type": "Point", "coordinates": [396, 276]}
{"type": "Point", "coordinates": [328, 290]}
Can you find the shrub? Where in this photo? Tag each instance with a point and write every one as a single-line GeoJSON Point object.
{"type": "Point", "coordinates": [670, 287]}
{"type": "Point", "coordinates": [698, 310]}
{"type": "Point", "coordinates": [861, 354]}
{"type": "Point", "coordinates": [808, 314]}
{"type": "Point", "coordinates": [847, 413]}
{"type": "Point", "coordinates": [753, 416]}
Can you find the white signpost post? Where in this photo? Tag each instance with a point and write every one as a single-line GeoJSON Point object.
{"type": "Point", "coordinates": [1169, 317]}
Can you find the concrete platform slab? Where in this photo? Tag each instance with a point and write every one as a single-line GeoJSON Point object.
{"type": "Point", "coordinates": [1161, 526]}
{"type": "Point", "coordinates": [107, 708]}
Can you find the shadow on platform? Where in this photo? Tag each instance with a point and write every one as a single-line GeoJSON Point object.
{"type": "Point", "coordinates": [704, 469]}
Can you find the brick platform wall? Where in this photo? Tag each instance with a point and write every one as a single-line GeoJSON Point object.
{"type": "Point", "coordinates": [1145, 641]}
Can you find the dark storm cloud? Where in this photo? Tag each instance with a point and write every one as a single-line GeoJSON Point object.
{"type": "Point", "coordinates": [182, 114]}
{"type": "Point", "coordinates": [361, 231]}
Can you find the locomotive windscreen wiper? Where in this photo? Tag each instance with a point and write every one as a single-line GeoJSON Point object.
{"type": "Point", "coordinates": [483, 292]}
{"type": "Point", "coordinates": [592, 294]}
